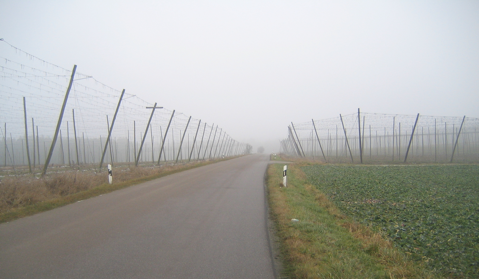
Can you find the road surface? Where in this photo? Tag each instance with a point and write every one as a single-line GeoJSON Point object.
{"type": "Point", "coordinates": [208, 222]}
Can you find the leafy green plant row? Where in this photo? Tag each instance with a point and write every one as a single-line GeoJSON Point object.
{"type": "Point", "coordinates": [430, 211]}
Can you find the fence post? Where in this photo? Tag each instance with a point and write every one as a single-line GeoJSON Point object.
{"type": "Point", "coordinates": [134, 140]}
{"type": "Point", "coordinates": [110, 129]}
{"type": "Point", "coordinates": [63, 151]}
{"type": "Point", "coordinates": [75, 134]}
{"type": "Point", "coordinates": [346, 136]}
{"type": "Point", "coordinates": [360, 146]}
{"type": "Point", "coordinates": [84, 148]}
{"type": "Point", "coordinates": [299, 142]}
{"type": "Point", "coordinates": [314, 126]}
{"type": "Point", "coordinates": [5, 148]}
{"type": "Point", "coordinates": [181, 142]}
{"type": "Point", "coordinates": [194, 141]}
{"type": "Point", "coordinates": [410, 140]}
{"type": "Point", "coordinates": [109, 145]}
{"type": "Point", "coordinates": [152, 145]}
{"type": "Point", "coordinates": [293, 142]}
{"type": "Point", "coordinates": [13, 152]}
{"type": "Point", "coordinates": [26, 133]}
{"type": "Point", "coordinates": [394, 127]}
{"type": "Point", "coordinates": [219, 142]}
{"type": "Point", "coordinates": [457, 139]}
{"type": "Point", "coordinates": [435, 140]}
{"type": "Point", "coordinates": [213, 143]}
{"type": "Point", "coordinates": [164, 138]}
{"type": "Point", "coordinates": [208, 142]}
{"type": "Point", "coordinates": [68, 146]}
{"type": "Point", "coordinates": [47, 161]}
{"type": "Point", "coordinates": [201, 144]}
{"type": "Point", "coordinates": [146, 132]}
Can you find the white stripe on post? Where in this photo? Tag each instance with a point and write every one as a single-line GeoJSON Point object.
{"type": "Point", "coordinates": [110, 174]}
{"type": "Point", "coordinates": [285, 168]}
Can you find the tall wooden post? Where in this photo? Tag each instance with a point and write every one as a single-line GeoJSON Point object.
{"type": "Point", "coordinates": [346, 136]}
{"type": "Point", "coordinates": [164, 138]}
{"type": "Point", "coordinates": [201, 144]}
{"type": "Point", "coordinates": [152, 150]}
{"type": "Point", "coordinates": [218, 143]}
{"type": "Point", "coordinates": [194, 140]}
{"type": "Point", "coordinates": [360, 145]}
{"type": "Point", "coordinates": [299, 142]}
{"type": "Point", "coordinates": [435, 140]}
{"type": "Point", "coordinates": [410, 140]}
{"type": "Point", "coordinates": [84, 148]}
{"type": "Point", "coordinates": [146, 132]}
{"type": "Point", "coordinates": [68, 146]}
{"type": "Point", "coordinates": [61, 146]}
{"type": "Point", "coordinates": [38, 146]}
{"type": "Point", "coordinates": [5, 147]}
{"type": "Point", "coordinates": [317, 137]}
{"type": "Point", "coordinates": [181, 141]}
{"type": "Point", "coordinates": [110, 129]}
{"type": "Point", "coordinates": [75, 135]}
{"type": "Point", "coordinates": [33, 132]}
{"type": "Point", "coordinates": [213, 143]}
{"type": "Point", "coordinates": [47, 161]}
{"type": "Point", "coordinates": [134, 140]}
{"type": "Point", "coordinates": [394, 124]}
{"type": "Point", "coordinates": [370, 144]}
{"type": "Point", "coordinates": [457, 139]}
{"type": "Point", "coordinates": [293, 142]}
{"type": "Point", "coordinates": [13, 152]}
{"type": "Point", "coordinates": [26, 133]}
{"type": "Point", "coordinates": [110, 146]}
{"type": "Point", "coordinates": [128, 148]}
{"type": "Point", "coordinates": [207, 143]}
{"type": "Point", "coordinates": [221, 145]}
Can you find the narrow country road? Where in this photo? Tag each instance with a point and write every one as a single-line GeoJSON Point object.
{"type": "Point", "coordinates": [208, 222]}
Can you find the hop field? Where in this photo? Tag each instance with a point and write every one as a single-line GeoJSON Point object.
{"type": "Point", "coordinates": [431, 212]}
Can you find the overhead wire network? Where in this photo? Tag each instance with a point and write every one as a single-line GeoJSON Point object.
{"type": "Point", "coordinates": [34, 86]}
{"type": "Point", "coordinates": [378, 137]}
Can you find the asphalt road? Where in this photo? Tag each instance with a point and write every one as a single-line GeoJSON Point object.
{"type": "Point", "coordinates": [208, 222]}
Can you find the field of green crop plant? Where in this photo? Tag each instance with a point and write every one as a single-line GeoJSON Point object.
{"type": "Point", "coordinates": [431, 212]}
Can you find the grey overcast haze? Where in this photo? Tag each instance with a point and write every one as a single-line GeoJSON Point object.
{"type": "Point", "coordinates": [253, 67]}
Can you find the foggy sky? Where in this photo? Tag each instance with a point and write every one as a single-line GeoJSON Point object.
{"type": "Point", "coordinates": [254, 66]}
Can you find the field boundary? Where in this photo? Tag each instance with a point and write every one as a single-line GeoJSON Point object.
{"type": "Point", "coordinates": [324, 243]}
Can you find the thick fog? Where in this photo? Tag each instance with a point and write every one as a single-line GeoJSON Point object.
{"type": "Point", "coordinates": [253, 67]}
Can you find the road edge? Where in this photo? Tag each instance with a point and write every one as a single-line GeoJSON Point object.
{"type": "Point", "coordinates": [271, 232]}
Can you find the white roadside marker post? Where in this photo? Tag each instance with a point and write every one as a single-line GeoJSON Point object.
{"type": "Point", "coordinates": [285, 168]}
{"type": "Point", "coordinates": [110, 174]}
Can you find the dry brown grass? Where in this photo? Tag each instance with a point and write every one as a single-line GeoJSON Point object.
{"type": "Point", "coordinates": [19, 192]}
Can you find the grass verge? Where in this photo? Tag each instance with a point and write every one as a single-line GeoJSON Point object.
{"type": "Point", "coordinates": [324, 243]}
{"type": "Point", "coordinates": [21, 197]}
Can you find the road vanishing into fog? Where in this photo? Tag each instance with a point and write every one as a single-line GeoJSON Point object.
{"type": "Point", "coordinates": [208, 222]}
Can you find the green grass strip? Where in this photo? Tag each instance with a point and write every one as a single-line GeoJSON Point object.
{"type": "Point", "coordinates": [323, 243]}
